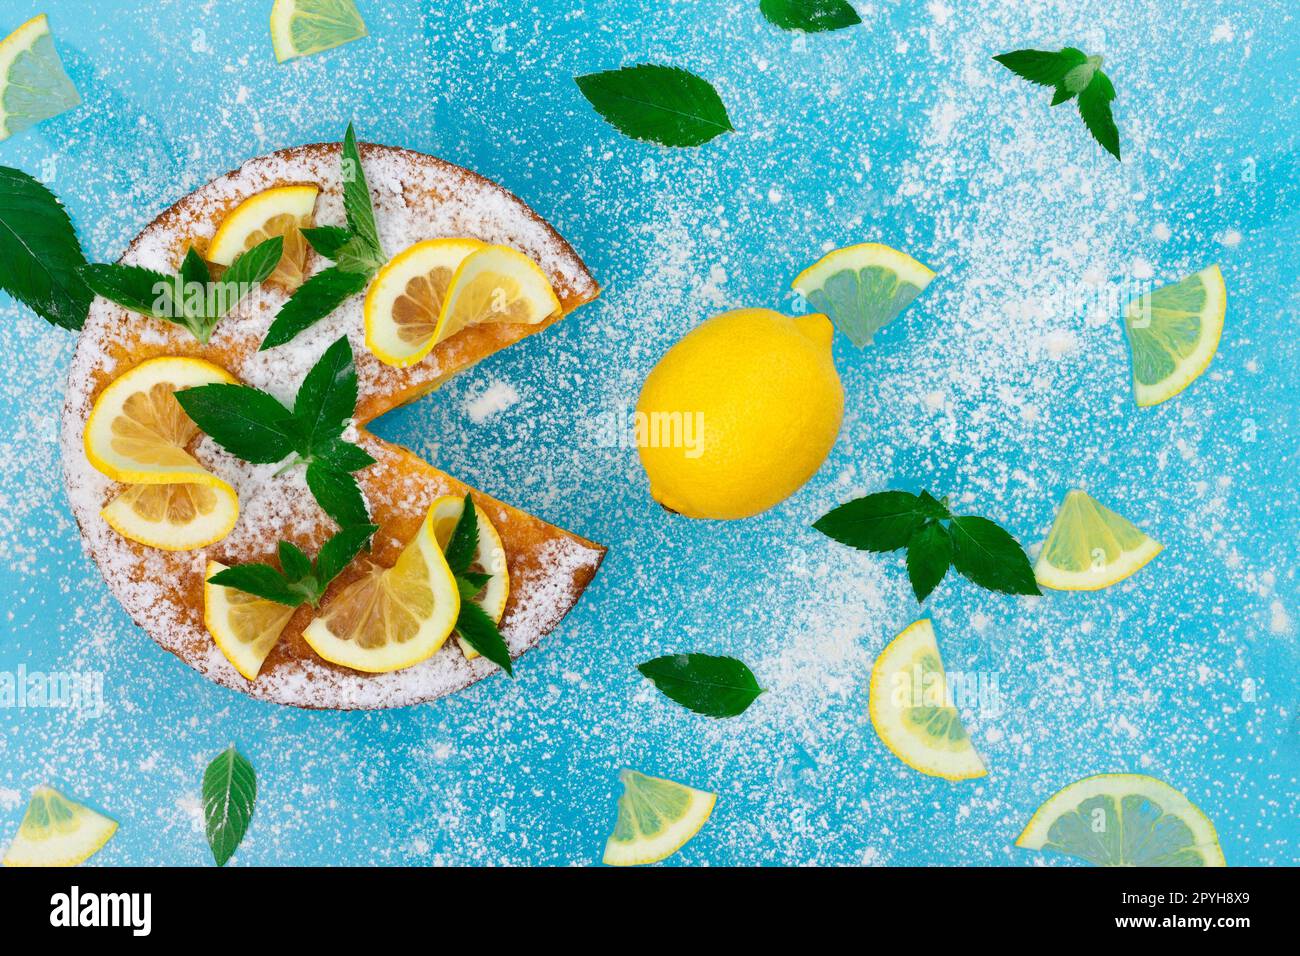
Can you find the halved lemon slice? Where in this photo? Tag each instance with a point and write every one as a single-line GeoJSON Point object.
{"type": "Point", "coordinates": [177, 517]}
{"type": "Point", "coordinates": [1090, 547]}
{"type": "Point", "coordinates": [137, 431]}
{"type": "Point", "coordinates": [656, 818]}
{"type": "Point", "coordinates": [57, 831]}
{"type": "Point", "coordinates": [489, 558]}
{"type": "Point", "coordinates": [245, 627]}
{"type": "Point", "coordinates": [1173, 333]}
{"type": "Point", "coordinates": [303, 27]}
{"type": "Point", "coordinates": [282, 211]}
{"type": "Point", "coordinates": [1124, 819]}
{"type": "Point", "coordinates": [33, 84]}
{"type": "Point", "coordinates": [911, 708]}
{"type": "Point", "coordinates": [406, 297]}
{"type": "Point", "coordinates": [391, 617]}
{"type": "Point", "coordinates": [863, 288]}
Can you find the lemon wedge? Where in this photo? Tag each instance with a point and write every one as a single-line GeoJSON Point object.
{"type": "Point", "coordinates": [57, 831]}
{"type": "Point", "coordinates": [489, 558]}
{"type": "Point", "coordinates": [1090, 547]}
{"type": "Point", "coordinates": [656, 818]}
{"type": "Point", "coordinates": [177, 517]}
{"type": "Point", "coordinates": [909, 705]}
{"type": "Point", "coordinates": [1173, 333]}
{"type": "Point", "coordinates": [863, 288]}
{"type": "Point", "coordinates": [405, 299]}
{"type": "Point", "coordinates": [391, 618]}
{"type": "Point", "coordinates": [33, 83]}
{"type": "Point", "coordinates": [244, 627]}
{"type": "Point", "coordinates": [282, 211]}
{"type": "Point", "coordinates": [304, 27]}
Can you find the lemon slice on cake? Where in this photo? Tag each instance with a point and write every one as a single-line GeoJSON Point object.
{"type": "Point", "coordinates": [304, 27]}
{"type": "Point", "coordinates": [489, 558]}
{"type": "Point", "coordinates": [1124, 819]}
{"type": "Point", "coordinates": [656, 818]}
{"type": "Point", "coordinates": [1173, 333]}
{"type": "Point", "coordinates": [391, 618]}
{"type": "Point", "coordinates": [406, 297]}
{"type": "Point", "coordinates": [179, 517]}
{"type": "Point", "coordinates": [57, 831]}
{"type": "Point", "coordinates": [245, 627]}
{"type": "Point", "coordinates": [33, 83]}
{"type": "Point", "coordinates": [863, 288]}
{"type": "Point", "coordinates": [910, 708]}
{"type": "Point", "coordinates": [1090, 547]}
{"type": "Point", "coordinates": [282, 211]}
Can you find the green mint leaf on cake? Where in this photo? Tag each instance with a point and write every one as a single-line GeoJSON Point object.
{"type": "Point", "coordinates": [260, 580]}
{"type": "Point", "coordinates": [314, 299]}
{"type": "Point", "coordinates": [713, 686]}
{"type": "Point", "coordinates": [474, 625]}
{"type": "Point", "coordinates": [356, 255]}
{"type": "Point", "coordinates": [40, 257]}
{"type": "Point", "coordinates": [1071, 74]}
{"type": "Point", "coordinates": [338, 493]}
{"type": "Point", "coordinates": [357, 202]}
{"type": "Point", "coordinates": [299, 580]}
{"type": "Point", "coordinates": [480, 632]}
{"type": "Point", "coordinates": [245, 421]}
{"type": "Point", "coordinates": [811, 16]}
{"type": "Point", "coordinates": [659, 104]}
{"type": "Point", "coordinates": [229, 795]}
{"type": "Point", "coordinates": [464, 540]}
{"type": "Point", "coordinates": [132, 287]}
{"type": "Point", "coordinates": [326, 240]}
{"type": "Point", "coordinates": [327, 396]}
{"type": "Point", "coordinates": [935, 539]}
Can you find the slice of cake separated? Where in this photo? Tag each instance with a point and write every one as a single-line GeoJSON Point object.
{"type": "Point", "coordinates": [416, 198]}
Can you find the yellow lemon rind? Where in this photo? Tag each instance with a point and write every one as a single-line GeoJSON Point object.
{"type": "Point", "coordinates": [68, 849]}
{"type": "Point", "coordinates": [253, 213]}
{"type": "Point", "coordinates": [533, 281]}
{"type": "Point", "coordinates": [676, 835]}
{"type": "Point", "coordinates": [860, 256]}
{"type": "Point", "coordinates": [1127, 565]}
{"type": "Point", "coordinates": [1192, 367]}
{"type": "Point", "coordinates": [124, 521]}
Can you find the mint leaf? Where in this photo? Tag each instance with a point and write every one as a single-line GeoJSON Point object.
{"type": "Point", "coordinates": [1042, 66]}
{"type": "Point", "coordinates": [471, 583]}
{"type": "Point", "coordinates": [340, 551]}
{"type": "Point", "coordinates": [327, 397]}
{"type": "Point", "coordinates": [314, 299]}
{"type": "Point", "coordinates": [40, 257]}
{"type": "Point", "coordinates": [260, 580]}
{"type": "Point", "coordinates": [132, 287]}
{"type": "Point", "coordinates": [480, 632]}
{"type": "Point", "coordinates": [327, 240]}
{"type": "Point", "coordinates": [1094, 107]}
{"type": "Point", "coordinates": [248, 423]}
{"type": "Point", "coordinates": [990, 557]}
{"type": "Point", "coordinates": [357, 203]}
{"type": "Point", "coordinates": [229, 794]}
{"type": "Point", "coordinates": [356, 255]}
{"type": "Point", "coordinates": [338, 494]}
{"type": "Point", "coordinates": [714, 686]}
{"type": "Point", "coordinates": [1072, 73]}
{"type": "Point", "coordinates": [811, 16]}
{"type": "Point", "coordinates": [884, 521]}
{"type": "Point", "coordinates": [250, 268]}
{"type": "Point", "coordinates": [464, 540]}
{"type": "Point", "coordinates": [661, 104]}
{"type": "Point", "coordinates": [343, 455]}
{"type": "Point", "coordinates": [929, 555]}
{"type": "Point", "coordinates": [294, 563]}
{"type": "Point", "coordinates": [931, 507]}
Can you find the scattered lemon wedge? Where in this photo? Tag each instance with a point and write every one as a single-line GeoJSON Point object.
{"type": "Point", "coordinates": [282, 211]}
{"type": "Point", "coordinates": [910, 709]}
{"type": "Point", "coordinates": [177, 517]}
{"type": "Point", "coordinates": [489, 558]}
{"type": "Point", "coordinates": [244, 627]}
{"type": "Point", "coordinates": [656, 818]}
{"type": "Point", "coordinates": [304, 27]}
{"type": "Point", "coordinates": [1090, 547]}
{"type": "Point", "coordinates": [33, 84]}
{"type": "Point", "coordinates": [391, 618]}
{"type": "Point", "coordinates": [863, 288]}
{"type": "Point", "coordinates": [57, 831]}
{"type": "Point", "coordinates": [405, 299]}
{"type": "Point", "coordinates": [1124, 819]}
{"type": "Point", "coordinates": [1173, 333]}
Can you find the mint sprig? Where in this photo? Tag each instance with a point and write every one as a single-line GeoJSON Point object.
{"type": "Point", "coordinates": [1071, 73]}
{"type": "Point", "coordinates": [299, 580]}
{"type": "Point", "coordinates": [474, 624]}
{"type": "Point", "coordinates": [40, 257]}
{"type": "Point", "coordinates": [810, 16]}
{"type": "Point", "coordinates": [662, 104]}
{"type": "Point", "coordinates": [356, 252]}
{"type": "Point", "coordinates": [255, 426]}
{"type": "Point", "coordinates": [935, 539]}
{"type": "Point", "coordinates": [713, 686]}
{"type": "Point", "coordinates": [190, 298]}
{"type": "Point", "coordinates": [229, 795]}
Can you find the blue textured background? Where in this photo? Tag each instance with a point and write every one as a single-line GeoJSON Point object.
{"type": "Point", "coordinates": [901, 130]}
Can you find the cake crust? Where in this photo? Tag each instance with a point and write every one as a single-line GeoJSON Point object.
{"type": "Point", "coordinates": [416, 197]}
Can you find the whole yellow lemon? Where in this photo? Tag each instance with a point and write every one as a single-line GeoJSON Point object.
{"type": "Point", "coordinates": [740, 413]}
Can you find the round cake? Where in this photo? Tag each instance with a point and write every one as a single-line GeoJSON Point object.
{"type": "Point", "coordinates": [416, 198]}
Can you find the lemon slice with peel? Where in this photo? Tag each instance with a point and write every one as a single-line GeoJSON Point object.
{"type": "Point", "coordinates": [179, 517]}
{"type": "Point", "coordinates": [489, 558]}
{"type": "Point", "coordinates": [391, 618]}
{"type": "Point", "coordinates": [656, 818]}
{"type": "Point", "coordinates": [911, 708]}
{"type": "Point", "coordinates": [1124, 819]}
{"type": "Point", "coordinates": [1090, 547]}
{"type": "Point", "coordinates": [863, 288]}
{"type": "Point", "coordinates": [405, 299]}
{"type": "Point", "coordinates": [282, 211]}
{"type": "Point", "coordinates": [304, 27]}
{"type": "Point", "coordinates": [245, 627]}
{"type": "Point", "coordinates": [137, 431]}
{"type": "Point", "coordinates": [496, 285]}
{"type": "Point", "coordinates": [1173, 333]}
{"type": "Point", "coordinates": [33, 83]}
{"type": "Point", "coordinates": [57, 831]}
